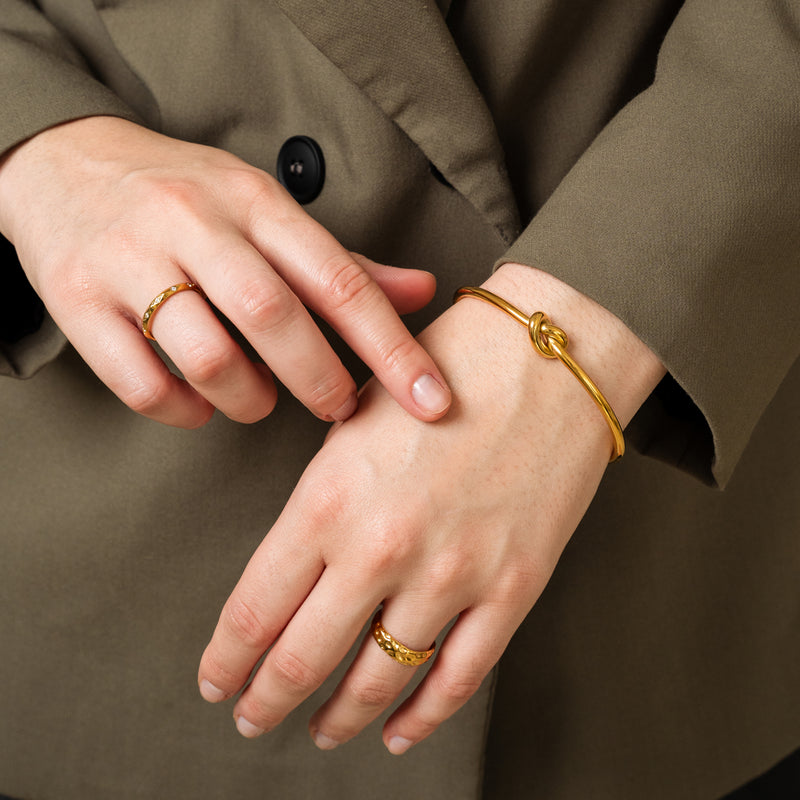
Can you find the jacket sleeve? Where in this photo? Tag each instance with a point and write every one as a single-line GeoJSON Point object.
{"type": "Point", "coordinates": [45, 79]}
{"type": "Point", "coordinates": [683, 219]}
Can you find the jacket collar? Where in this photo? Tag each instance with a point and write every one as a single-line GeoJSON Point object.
{"type": "Point", "coordinates": [403, 56]}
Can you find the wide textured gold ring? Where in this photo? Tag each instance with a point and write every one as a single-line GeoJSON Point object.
{"type": "Point", "coordinates": [160, 299]}
{"type": "Point", "coordinates": [397, 650]}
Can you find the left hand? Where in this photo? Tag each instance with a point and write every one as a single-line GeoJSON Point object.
{"type": "Point", "coordinates": [465, 517]}
{"type": "Point", "coordinates": [105, 215]}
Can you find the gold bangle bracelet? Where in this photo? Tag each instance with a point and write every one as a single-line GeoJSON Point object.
{"type": "Point", "coordinates": [551, 342]}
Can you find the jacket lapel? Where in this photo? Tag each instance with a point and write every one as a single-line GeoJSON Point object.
{"type": "Point", "coordinates": [402, 55]}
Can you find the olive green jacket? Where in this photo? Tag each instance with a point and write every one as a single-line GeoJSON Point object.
{"type": "Point", "coordinates": [646, 153]}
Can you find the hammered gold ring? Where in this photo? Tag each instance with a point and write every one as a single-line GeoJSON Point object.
{"type": "Point", "coordinates": [399, 652]}
{"type": "Point", "coordinates": [160, 299]}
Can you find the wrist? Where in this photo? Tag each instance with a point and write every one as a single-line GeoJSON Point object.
{"type": "Point", "coordinates": [625, 370]}
{"type": "Point", "coordinates": [39, 161]}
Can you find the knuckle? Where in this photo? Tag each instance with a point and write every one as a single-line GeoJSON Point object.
{"type": "Point", "coordinates": [294, 672]}
{"type": "Point", "coordinates": [371, 693]}
{"type": "Point", "coordinates": [127, 239]}
{"type": "Point", "coordinates": [519, 579]}
{"type": "Point", "coordinates": [245, 623]}
{"type": "Point", "coordinates": [380, 559]}
{"type": "Point", "coordinates": [390, 548]}
{"type": "Point", "coordinates": [397, 353]}
{"type": "Point", "coordinates": [257, 190]}
{"type": "Point", "coordinates": [423, 727]}
{"type": "Point", "coordinates": [454, 566]}
{"type": "Point", "coordinates": [144, 397]}
{"type": "Point", "coordinates": [169, 196]}
{"type": "Point", "coordinates": [266, 305]}
{"type": "Point", "coordinates": [457, 687]}
{"type": "Point", "coordinates": [259, 712]}
{"type": "Point", "coordinates": [215, 670]}
{"type": "Point", "coordinates": [209, 361]}
{"type": "Point", "coordinates": [330, 394]}
{"type": "Point", "coordinates": [76, 286]}
{"type": "Point", "coordinates": [347, 283]}
{"type": "Point", "coordinates": [176, 196]}
{"type": "Point", "coordinates": [327, 504]}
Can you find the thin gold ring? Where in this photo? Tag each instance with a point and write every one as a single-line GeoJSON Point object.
{"type": "Point", "coordinates": [160, 299]}
{"type": "Point", "coordinates": [398, 651]}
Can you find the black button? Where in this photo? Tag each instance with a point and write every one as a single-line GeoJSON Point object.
{"type": "Point", "coordinates": [301, 168]}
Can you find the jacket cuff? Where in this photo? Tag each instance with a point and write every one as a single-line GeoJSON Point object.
{"type": "Point", "coordinates": [681, 219]}
{"type": "Point", "coordinates": [25, 357]}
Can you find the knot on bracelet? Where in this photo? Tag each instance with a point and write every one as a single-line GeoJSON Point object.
{"type": "Point", "coordinates": [543, 335]}
{"type": "Point", "coordinates": [551, 342]}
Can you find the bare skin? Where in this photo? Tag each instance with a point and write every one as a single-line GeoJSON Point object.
{"type": "Point", "coordinates": [105, 215]}
{"type": "Point", "coordinates": [464, 518]}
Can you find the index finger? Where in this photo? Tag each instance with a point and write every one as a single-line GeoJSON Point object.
{"type": "Point", "coordinates": [326, 277]}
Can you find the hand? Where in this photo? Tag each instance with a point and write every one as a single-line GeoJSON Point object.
{"type": "Point", "coordinates": [465, 518]}
{"type": "Point", "coordinates": [105, 215]}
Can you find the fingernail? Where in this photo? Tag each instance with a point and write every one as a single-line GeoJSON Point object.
{"type": "Point", "coordinates": [211, 692]}
{"type": "Point", "coordinates": [324, 742]}
{"type": "Point", "coordinates": [247, 729]}
{"type": "Point", "coordinates": [347, 409]}
{"type": "Point", "coordinates": [430, 395]}
{"type": "Point", "coordinates": [398, 745]}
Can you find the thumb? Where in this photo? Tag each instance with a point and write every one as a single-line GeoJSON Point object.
{"type": "Point", "coordinates": [407, 289]}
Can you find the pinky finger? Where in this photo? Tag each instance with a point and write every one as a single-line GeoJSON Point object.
{"type": "Point", "coordinates": [451, 681]}
{"type": "Point", "coordinates": [127, 364]}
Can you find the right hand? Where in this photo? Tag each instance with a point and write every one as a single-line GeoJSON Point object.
{"type": "Point", "coordinates": [461, 520]}
{"type": "Point", "coordinates": [105, 215]}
